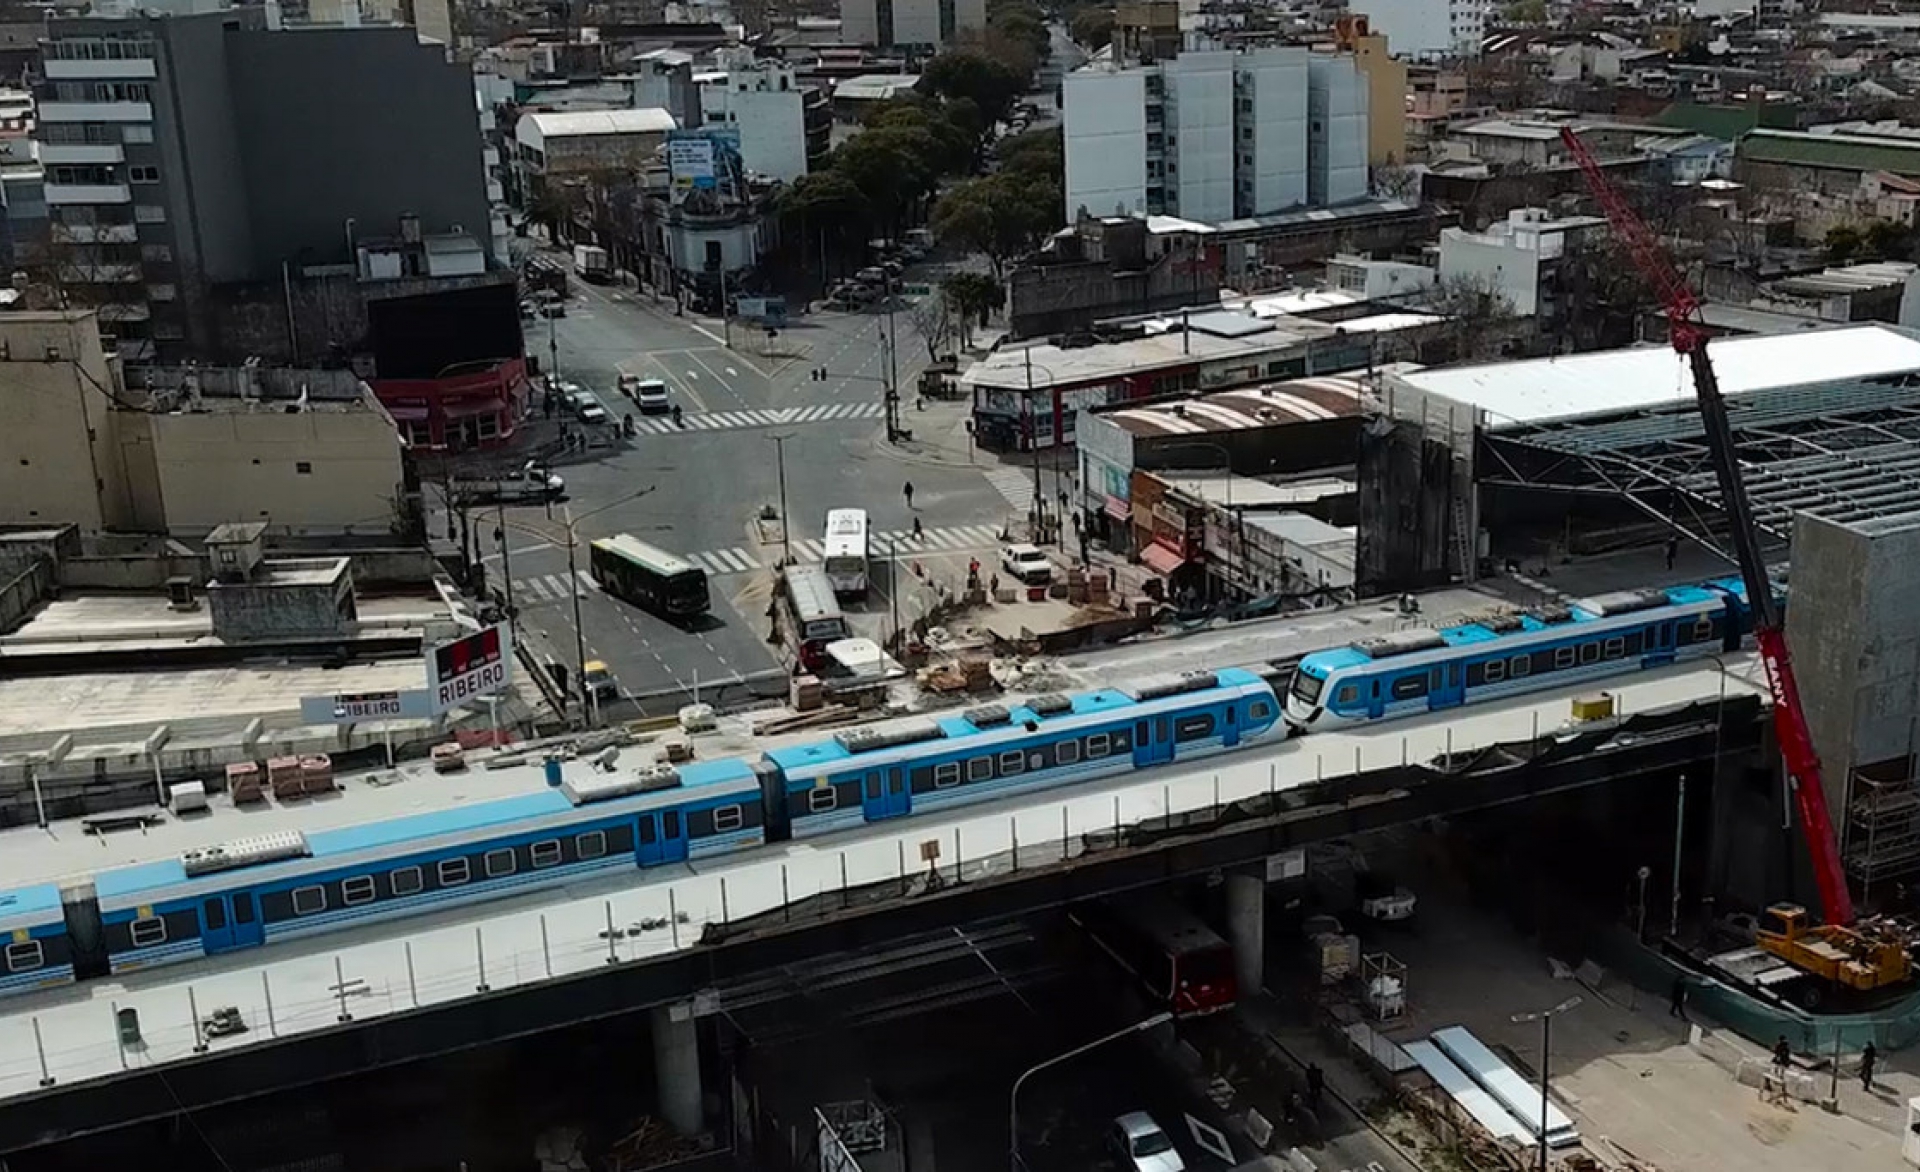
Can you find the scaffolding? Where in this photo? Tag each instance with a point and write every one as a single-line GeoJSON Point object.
{"type": "Point", "coordinates": [1883, 824]}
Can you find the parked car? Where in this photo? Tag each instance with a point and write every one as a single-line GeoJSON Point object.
{"type": "Point", "coordinates": [1142, 1145]}
{"type": "Point", "coordinates": [1027, 563]}
{"type": "Point", "coordinates": [589, 410]}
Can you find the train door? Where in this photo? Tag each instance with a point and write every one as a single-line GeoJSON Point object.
{"type": "Point", "coordinates": [228, 922]}
{"type": "Point", "coordinates": [886, 794]}
{"type": "Point", "coordinates": [1444, 686]}
{"type": "Point", "coordinates": [1230, 726]}
{"type": "Point", "coordinates": [662, 838]}
{"type": "Point", "coordinates": [1152, 741]}
{"type": "Point", "coordinates": [1658, 644]}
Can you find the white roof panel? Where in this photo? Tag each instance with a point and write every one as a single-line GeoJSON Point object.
{"type": "Point", "coordinates": [1545, 389]}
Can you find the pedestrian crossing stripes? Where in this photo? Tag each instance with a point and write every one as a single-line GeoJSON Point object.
{"type": "Point", "coordinates": [550, 587]}
{"type": "Point", "coordinates": [769, 417]}
{"type": "Point", "coordinates": [741, 560]}
{"type": "Point", "coordinates": [1015, 485]}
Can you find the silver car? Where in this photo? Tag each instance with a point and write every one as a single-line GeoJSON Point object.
{"type": "Point", "coordinates": [1142, 1146]}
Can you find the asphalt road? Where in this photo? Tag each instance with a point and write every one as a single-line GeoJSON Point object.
{"type": "Point", "coordinates": [698, 489]}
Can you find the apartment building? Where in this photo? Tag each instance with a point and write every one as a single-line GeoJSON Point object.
{"type": "Point", "coordinates": [1428, 30]}
{"type": "Point", "coordinates": [909, 24]}
{"type": "Point", "coordinates": [1216, 135]}
{"type": "Point", "coordinates": [190, 157]}
{"type": "Point", "coordinates": [784, 127]}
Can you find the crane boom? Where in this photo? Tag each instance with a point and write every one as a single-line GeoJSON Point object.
{"type": "Point", "coordinates": [1690, 340]}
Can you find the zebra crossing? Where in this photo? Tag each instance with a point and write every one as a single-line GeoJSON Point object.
{"type": "Point", "coordinates": [740, 560]}
{"type": "Point", "coordinates": [1015, 485]}
{"type": "Point", "coordinates": [767, 417]}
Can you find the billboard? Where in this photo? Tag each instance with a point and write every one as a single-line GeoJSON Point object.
{"type": "Point", "coordinates": [357, 707]}
{"type": "Point", "coordinates": [469, 667]}
{"type": "Point", "coordinates": [701, 158]}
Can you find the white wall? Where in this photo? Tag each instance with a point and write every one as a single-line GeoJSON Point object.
{"type": "Point", "coordinates": [1200, 118]}
{"type": "Point", "coordinates": [1494, 263]}
{"type": "Point", "coordinates": [1106, 137]}
{"type": "Point", "coordinates": [860, 21]}
{"type": "Point", "coordinates": [1426, 28]}
{"type": "Point", "coordinates": [1275, 82]}
{"type": "Point", "coordinates": [773, 136]}
{"type": "Point", "coordinates": [1337, 131]}
{"type": "Point", "coordinates": [916, 22]}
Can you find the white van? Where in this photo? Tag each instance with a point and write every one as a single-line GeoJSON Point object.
{"type": "Point", "coordinates": [651, 394]}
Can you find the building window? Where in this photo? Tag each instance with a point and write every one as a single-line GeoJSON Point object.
{"type": "Point", "coordinates": [356, 890]}
{"type": "Point", "coordinates": [140, 174]}
{"type": "Point", "coordinates": [407, 881]}
{"type": "Point", "coordinates": [163, 292]}
{"type": "Point", "coordinates": [156, 252]}
{"type": "Point", "coordinates": [487, 426]}
{"type": "Point", "coordinates": [148, 932]}
{"type": "Point", "coordinates": [419, 433]}
{"type": "Point", "coordinates": [24, 957]}
{"type": "Point", "coordinates": [136, 134]}
{"type": "Point", "coordinates": [147, 213]}
{"type": "Point", "coordinates": [308, 900]}
{"type": "Point", "coordinates": [302, 468]}
{"type": "Point", "coordinates": [545, 854]}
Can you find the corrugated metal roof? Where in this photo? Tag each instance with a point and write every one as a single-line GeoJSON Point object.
{"type": "Point", "coordinates": [1839, 151]}
{"type": "Point", "coordinates": [1546, 389]}
{"type": "Point", "coordinates": [1309, 400]}
{"type": "Point", "coordinates": [584, 122]}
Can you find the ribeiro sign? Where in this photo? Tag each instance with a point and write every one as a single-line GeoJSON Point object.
{"type": "Point", "coordinates": [469, 667]}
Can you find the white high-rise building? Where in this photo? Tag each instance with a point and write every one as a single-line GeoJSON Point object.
{"type": "Point", "coordinates": [923, 23]}
{"type": "Point", "coordinates": [1215, 135]}
{"type": "Point", "coordinates": [1427, 29]}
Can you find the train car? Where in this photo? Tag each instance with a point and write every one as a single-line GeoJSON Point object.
{"type": "Point", "coordinates": [869, 775]}
{"type": "Point", "coordinates": [280, 886]}
{"type": "Point", "coordinates": [38, 953]}
{"type": "Point", "coordinates": [1437, 668]}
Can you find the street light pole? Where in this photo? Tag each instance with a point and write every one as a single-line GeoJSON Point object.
{"type": "Point", "coordinates": [1545, 1018]}
{"type": "Point", "coordinates": [1013, 1098]}
{"type": "Point", "coordinates": [1033, 446]}
{"type": "Point", "coordinates": [780, 460]}
{"type": "Point", "coordinates": [587, 703]}
{"type": "Point", "coordinates": [506, 564]}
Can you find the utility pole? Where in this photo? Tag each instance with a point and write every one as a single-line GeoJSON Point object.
{"type": "Point", "coordinates": [893, 387]}
{"type": "Point", "coordinates": [780, 461]}
{"type": "Point", "coordinates": [506, 562]}
{"type": "Point", "coordinates": [726, 316]}
{"type": "Point", "coordinates": [1033, 446]}
{"type": "Point", "coordinates": [553, 350]}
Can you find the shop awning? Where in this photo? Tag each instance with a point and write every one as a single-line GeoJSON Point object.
{"type": "Point", "coordinates": [1118, 509]}
{"type": "Point", "coordinates": [408, 414]}
{"type": "Point", "coordinates": [467, 408]}
{"type": "Point", "coordinates": [1161, 560]}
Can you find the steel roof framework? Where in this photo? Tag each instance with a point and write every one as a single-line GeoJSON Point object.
{"type": "Point", "coordinates": [1848, 452]}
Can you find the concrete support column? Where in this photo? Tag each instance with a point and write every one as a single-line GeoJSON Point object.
{"type": "Point", "coordinates": [1247, 928]}
{"type": "Point", "coordinates": [676, 1067]}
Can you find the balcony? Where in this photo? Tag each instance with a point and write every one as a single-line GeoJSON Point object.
{"type": "Point", "coordinates": [100, 274]}
{"type": "Point", "coordinates": [95, 234]}
{"type": "Point", "coordinates": [134, 67]}
{"type": "Point", "coordinates": [88, 193]}
{"type": "Point", "coordinates": [124, 311]}
{"type": "Point", "coordinates": [95, 112]}
{"type": "Point", "coordinates": [54, 153]}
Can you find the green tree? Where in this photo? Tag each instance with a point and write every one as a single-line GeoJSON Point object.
{"type": "Point", "coordinates": [1843, 243]}
{"type": "Point", "coordinates": [1092, 26]}
{"type": "Point", "coordinates": [892, 169]}
{"type": "Point", "coordinates": [1524, 12]}
{"type": "Point", "coordinates": [993, 86]}
{"type": "Point", "coordinates": [1003, 216]}
{"type": "Point", "coordinates": [972, 296]}
{"type": "Point", "coordinates": [1036, 154]}
{"type": "Point", "coordinates": [1888, 240]}
{"type": "Point", "coordinates": [952, 129]}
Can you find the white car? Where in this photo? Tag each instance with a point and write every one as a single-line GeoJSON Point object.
{"type": "Point", "coordinates": [1142, 1146]}
{"type": "Point", "coordinates": [651, 395]}
{"type": "Point", "coordinates": [1027, 563]}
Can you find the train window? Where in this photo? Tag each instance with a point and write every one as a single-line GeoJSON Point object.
{"type": "Point", "coordinates": [980, 769]}
{"type": "Point", "coordinates": [1066, 752]}
{"type": "Point", "coordinates": [308, 900]}
{"type": "Point", "coordinates": [591, 845]}
{"type": "Point", "coordinates": [1259, 711]}
{"type": "Point", "coordinates": [873, 787]}
{"type": "Point", "coordinates": [1703, 629]}
{"type": "Point", "coordinates": [545, 854]}
{"type": "Point", "coordinates": [1590, 653]}
{"type": "Point", "coordinates": [1496, 670]}
{"type": "Point", "coordinates": [358, 889]}
{"type": "Point", "coordinates": [213, 915]}
{"type": "Point", "coordinates": [1614, 648]}
{"type": "Point", "coordinates": [453, 872]}
{"type": "Point", "coordinates": [498, 863]}
{"type": "Point", "coordinates": [1098, 745]}
{"type": "Point", "coordinates": [407, 881]}
{"type": "Point", "coordinates": [1409, 687]}
{"type": "Point", "coordinates": [1520, 665]}
{"type": "Point", "coordinates": [1193, 728]}
{"type": "Point", "coordinates": [1347, 695]}
{"type": "Point", "coordinates": [148, 932]}
{"type": "Point", "coordinates": [1011, 762]}
{"type": "Point", "coordinates": [24, 957]}
{"type": "Point", "coordinates": [727, 818]}
{"type": "Point", "coordinates": [822, 798]}
{"type": "Point", "coordinates": [1564, 656]}
{"type": "Point", "coordinates": [946, 775]}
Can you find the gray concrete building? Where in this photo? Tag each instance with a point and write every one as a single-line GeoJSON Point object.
{"type": "Point", "coordinates": [189, 152]}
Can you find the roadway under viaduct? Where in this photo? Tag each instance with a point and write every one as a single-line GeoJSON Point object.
{"type": "Point", "coordinates": [1652, 744]}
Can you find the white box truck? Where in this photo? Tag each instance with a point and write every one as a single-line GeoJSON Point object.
{"type": "Point", "coordinates": [592, 263]}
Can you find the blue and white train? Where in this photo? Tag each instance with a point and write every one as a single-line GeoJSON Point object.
{"type": "Point", "coordinates": [1431, 669]}
{"type": "Point", "coordinates": [255, 891]}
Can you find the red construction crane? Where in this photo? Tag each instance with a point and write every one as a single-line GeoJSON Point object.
{"type": "Point", "coordinates": [1690, 339]}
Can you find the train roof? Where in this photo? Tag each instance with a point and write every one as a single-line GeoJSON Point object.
{"type": "Point", "coordinates": [34, 900]}
{"type": "Point", "coordinates": [1584, 610]}
{"type": "Point", "coordinates": [694, 777]}
{"type": "Point", "coordinates": [988, 718]}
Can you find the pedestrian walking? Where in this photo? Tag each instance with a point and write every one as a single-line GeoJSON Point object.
{"type": "Point", "coordinates": [1869, 1058]}
{"type": "Point", "coordinates": [1316, 1084]}
{"type": "Point", "coordinates": [908, 491]}
{"type": "Point", "coordinates": [1677, 1001]}
{"type": "Point", "coordinates": [1673, 550]}
{"type": "Point", "coordinates": [1782, 1056]}
{"type": "Point", "coordinates": [918, 532]}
